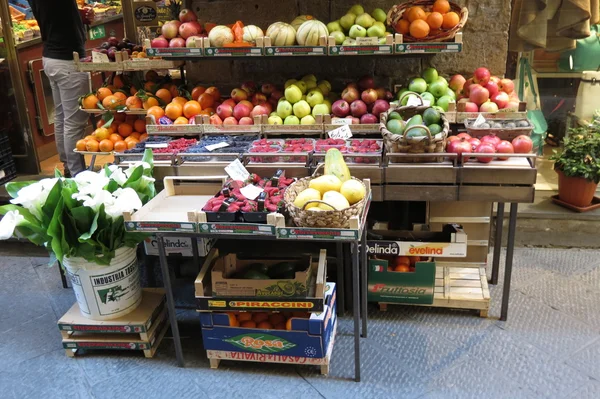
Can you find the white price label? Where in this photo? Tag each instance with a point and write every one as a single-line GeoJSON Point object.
{"type": "Point", "coordinates": [237, 171]}
{"type": "Point", "coordinates": [426, 103]}
{"type": "Point", "coordinates": [99, 57]}
{"type": "Point", "coordinates": [342, 132]}
{"type": "Point", "coordinates": [414, 101]}
{"type": "Point", "coordinates": [341, 121]}
{"type": "Point", "coordinates": [251, 191]}
{"type": "Point", "coordinates": [213, 147]}
{"type": "Point", "coordinates": [367, 41]}
{"type": "Point", "coordinates": [479, 121]}
{"type": "Point", "coordinates": [157, 145]}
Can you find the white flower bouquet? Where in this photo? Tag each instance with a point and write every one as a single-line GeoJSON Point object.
{"type": "Point", "coordinates": [82, 216]}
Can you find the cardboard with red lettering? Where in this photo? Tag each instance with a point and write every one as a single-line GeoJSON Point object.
{"type": "Point", "coordinates": [389, 286]}
{"type": "Point", "coordinates": [307, 337]}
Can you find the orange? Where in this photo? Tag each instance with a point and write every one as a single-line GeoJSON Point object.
{"type": "Point", "coordinates": [191, 108]}
{"type": "Point", "coordinates": [232, 320]}
{"type": "Point", "coordinates": [259, 317]}
{"type": "Point", "coordinates": [441, 6]}
{"type": "Point", "coordinates": [100, 123]}
{"type": "Point", "coordinates": [180, 100]}
{"type": "Point", "coordinates": [103, 92]}
{"type": "Point", "coordinates": [139, 125]}
{"type": "Point", "coordinates": [150, 87]}
{"type": "Point", "coordinates": [156, 112]}
{"type": "Point", "coordinates": [90, 102]}
{"type": "Point", "coordinates": [206, 100]}
{"type": "Point", "coordinates": [131, 143]}
{"type": "Point", "coordinates": [196, 91]}
{"type": "Point", "coordinates": [248, 324]}
{"type": "Point", "coordinates": [114, 137]}
{"type": "Point", "coordinates": [435, 20]}
{"type": "Point", "coordinates": [450, 20]}
{"type": "Point", "coordinates": [151, 76]}
{"type": "Point", "coordinates": [92, 146]}
{"type": "Point", "coordinates": [213, 91]}
{"type": "Point", "coordinates": [120, 95]}
{"type": "Point", "coordinates": [112, 102]}
{"type": "Point", "coordinates": [106, 145]}
{"type": "Point", "coordinates": [182, 120]}
{"type": "Point", "coordinates": [125, 129]}
{"type": "Point", "coordinates": [402, 268]}
{"type": "Point", "coordinates": [164, 95]}
{"type": "Point", "coordinates": [89, 137]}
{"type": "Point", "coordinates": [415, 13]}
{"type": "Point", "coordinates": [80, 145]}
{"type": "Point", "coordinates": [111, 88]}
{"type": "Point", "coordinates": [133, 102]}
{"type": "Point", "coordinates": [172, 89]}
{"type": "Point", "coordinates": [150, 102]}
{"type": "Point", "coordinates": [120, 146]}
{"type": "Point", "coordinates": [118, 82]}
{"type": "Point", "coordinates": [143, 137]}
{"type": "Point", "coordinates": [101, 134]}
{"type": "Point", "coordinates": [402, 26]}
{"type": "Point", "coordinates": [135, 135]}
{"type": "Point", "coordinates": [419, 29]}
{"type": "Point", "coordinates": [276, 318]}
{"type": "Point", "coordinates": [120, 117]}
{"type": "Point", "coordinates": [173, 110]}
{"type": "Point", "coordinates": [403, 260]}
{"type": "Point", "coordinates": [133, 91]}
{"type": "Point", "coordinates": [265, 325]}
{"type": "Point", "coordinates": [288, 325]}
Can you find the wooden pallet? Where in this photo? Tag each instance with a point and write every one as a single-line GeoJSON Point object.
{"type": "Point", "coordinates": [215, 357]}
{"type": "Point", "coordinates": [459, 288]}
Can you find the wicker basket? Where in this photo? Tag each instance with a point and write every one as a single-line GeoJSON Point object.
{"type": "Point", "coordinates": [395, 14]}
{"type": "Point", "coordinates": [399, 143]}
{"type": "Point", "coordinates": [329, 219]}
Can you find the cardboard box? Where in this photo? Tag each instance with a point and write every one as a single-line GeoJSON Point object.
{"type": "Point", "coordinates": [308, 337]}
{"type": "Point", "coordinates": [181, 246]}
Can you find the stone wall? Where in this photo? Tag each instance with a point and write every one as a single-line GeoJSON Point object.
{"type": "Point", "coordinates": [485, 44]}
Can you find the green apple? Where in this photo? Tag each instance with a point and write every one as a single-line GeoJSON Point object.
{"type": "Point", "coordinates": [291, 120]}
{"type": "Point", "coordinates": [308, 120]}
{"type": "Point", "coordinates": [443, 102]}
{"type": "Point", "coordinates": [379, 15]}
{"type": "Point", "coordinates": [382, 40]}
{"type": "Point", "coordinates": [356, 9]}
{"type": "Point", "coordinates": [438, 88]}
{"type": "Point", "coordinates": [334, 26]}
{"type": "Point", "coordinates": [450, 93]}
{"type": "Point", "coordinates": [347, 21]}
{"type": "Point", "coordinates": [349, 42]}
{"type": "Point", "coordinates": [302, 86]}
{"type": "Point", "coordinates": [307, 78]}
{"type": "Point", "coordinates": [275, 120]}
{"type": "Point", "coordinates": [293, 94]}
{"type": "Point", "coordinates": [357, 31]}
{"type": "Point", "coordinates": [301, 109]}
{"type": "Point", "coordinates": [320, 109]}
{"type": "Point", "coordinates": [310, 85]}
{"type": "Point", "coordinates": [303, 97]}
{"type": "Point", "coordinates": [324, 86]}
{"type": "Point", "coordinates": [289, 82]}
{"type": "Point", "coordinates": [442, 79]}
{"type": "Point", "coordinates": [338, 36]}
{"type": "Point", "coordinates": [364, 20]}
{"type": "Point", "coordinates": [274, 113]}
{"type": "Point", "coordinates": [418, 85]}
{"type": "Point", "coordinates": [400, 92]}
{"type": "Point", "coordinates": [376, 31]}
{"type": "Point", "coordinates": [328, 103]}
{"type": "Point", "coordinates": [314, 97]}
{"type": "Point", "coordinates": [284, 109]}
{"type": "Point", "coordinates": [430, 75]}
{"type": "Point", "coordinates": [429, 97]}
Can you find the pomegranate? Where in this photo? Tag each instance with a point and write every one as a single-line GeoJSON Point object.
{"type": "Point", "coordinates": [459, 147]}
{"type": "Point", "coordinates": [187, 15]}
{"type": "Point", "coordinates": [188, 29]}
{"type": "Point", "coordinates": [485, 148]}
{"type": "Point", "coordinates": [464, 135]}
{"type": "Point", "coordinates": [491, 139]}
{"type": "Point", "coordinates": [522, 144]}
{"type": "Point", "coordinates": [452, 138]}
{"type": "Point", "coordinates": [504, 147]}
{"type": "Point", "coordinates": [474, 143]}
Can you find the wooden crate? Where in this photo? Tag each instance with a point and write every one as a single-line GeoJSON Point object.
{"type": "Point", "coordinates": [459, 288]}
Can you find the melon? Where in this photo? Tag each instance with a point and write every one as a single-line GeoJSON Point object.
{"type": "Point", "coordinates": [220, 35]}
{"type": "Point", "coordinates": [309, 33]}
{"type": "Point", "coordinates": [251, 32]}
{"type": "Point", "coordinates": [300, 19]}
{"type": "Point", "coordinates": [281, 34]}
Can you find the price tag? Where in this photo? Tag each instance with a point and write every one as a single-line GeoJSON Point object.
{"type": "Point", "coordinates": [251, 191]}
{"type": "Point", "coordinates": [414, 101]}
{"type": "Point", "coordinates": [341, 121]}
{"type": "Point", "coordinates": [237, 171]}
{"type": "Point", "coordinates": [99, 57]}
{"type": "Point", "coordinates": [367, 41]}
{"type": "Point", "coordinates": [213, 147]}
{"type": "Point", "coordinates": [342, 132]}
{"type": "Point", "coordinates": [157, 145]}
{"type": "Point", "coordinates": [479, 121]}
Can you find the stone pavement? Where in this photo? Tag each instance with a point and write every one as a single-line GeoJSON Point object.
{"type": "Point", "coordinates": [548, 348]}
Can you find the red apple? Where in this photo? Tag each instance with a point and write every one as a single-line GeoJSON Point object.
{"type": "Point", "coordinates": [215, 120]}
{"type": "Point", "coordinates": [488, 106]}
{"type": "Point", "coordinates": [366, 82]}
{"type": "Point", "coordinates": [491, 139]}
{"type": "Point", "coordinates": [249, 86]}
{"type": "Point", "coordinates": [369, 96]}
{"type": "Point", "coordinates": [159, 42]}
{"type": "Point", "coordinates": [177, 43]}
{"type": "Point", "coordinates": [258, 98]}
{"type": "Point", "coordinates": [268, 106]}
{"type": "Point", "coordinates": [471, 107]}
{"type": "Point", "coordinates": [501, 99]}
{"type": "Point", "coordinates": [276, 94]}
{"type": "Point", "coordinates": [507, 86]}
{"type": "Point", "coordinates": [457, 82]}
{"type": "Point", "coordinates": [350, 94]}
{"type": "Point", "coordinates": [340, 108]}
{"type": "Point", "coordinates": [259, 110]}
{"type": "Point", "coordinates": [482, 76]}
{"type": "Point", "coordinates": [380, 106]}
{"type": "Point", "coordinates": [485, 148]}
{"type": "Point", "coordinates": [368, 119]}
{"type": "Point", "coordinates": [358, 108]}
{"type": "Point", "coordinates": [495, 79]}
{"type": "Point", "coordinates": [188, 29]}
{"type": "Point", "coordinates": [355, 120]}
{"type": "Point", "coordinates": [247, 104]}
{"type": "Point", "coordinates": [467, 87]}
{"type": "Point", "coordinates": [225, 110]}
{"type": "Point", "coordinates": [241, 110]}
{"type": "Point", "coordinates": [479, 94]}
{"type": "Point", "coordinates": [238, 95]}
{"type": "Point", "coordinates": [492, 87]}
{"type": "Point", "coordinates": [504, 147]}
{"type": "Point", "coordinates": [246, 121]}
{"type": "Point", "coordinates": [352, 85]}
{"type": "Point", "coordinates": [522, 144]}
{"type": "Point", "coordinates": [170, 29]}
{"type": "Point", "coordinates": [267, 89]}
{"type": "Point", "coordinates": [380, 93]}
{"type": "Point", "coordinates": [230, 121]}
{"type": "Point", "coordinates": [389, 96]}
{"type": "Point", "coordinates": [187, 15]}
{"type": "Point", "coordinates": [230, 101]}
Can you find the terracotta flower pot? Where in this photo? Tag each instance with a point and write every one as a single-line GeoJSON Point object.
{"type": "Point", "coordinates": [575, 190]}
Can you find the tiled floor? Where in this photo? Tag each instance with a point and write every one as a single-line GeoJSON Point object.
{"type": "Point", "coordinates": [548, 348]}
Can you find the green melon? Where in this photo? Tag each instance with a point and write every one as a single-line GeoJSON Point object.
{"type": "Point", "coordinates": [300, 19]}
{"type": "Point", "coordinates": [309, 32]}
{"type": "Point", "coordinates": [281, 34]}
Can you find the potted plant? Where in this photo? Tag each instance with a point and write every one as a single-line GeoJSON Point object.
{"type": "Point", "coordinates": [578, 167]}
{"type": "Point", "coordinates": [80, 222]}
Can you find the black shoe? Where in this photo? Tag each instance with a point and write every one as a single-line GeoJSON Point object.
{"type": "Point", "coordinates": [67, 173]}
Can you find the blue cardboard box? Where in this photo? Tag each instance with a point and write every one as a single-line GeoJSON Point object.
{"type": "Point", "coordinates": [308, 337]}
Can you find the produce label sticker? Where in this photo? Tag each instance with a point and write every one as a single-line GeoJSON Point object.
{"type": "Point", "coordinates": [342, 132]}
{"type": "Point", "coordinates": [237, 171]}
{"type": "Point", "coordinates": [99, 57]}
{"type": "Point", "coordinates": [237, 228]}
{"type": "Point", "coordinates": [341, 121]}
{"type": "Point", "coordinates": [479, 121]}
{"type": "Point", "coordinates": [175, 52]}
{"type": "Point", "coordinates": [251, 191]}
{"type": "Point", "coordinates": [316, 233]}
{"type": "Point", "coordinates": [192, 129]}
{"type": "Point", "coordinates": [295, 50]}
{"type": "Point", "coordinates": [368, 41]}
{"type": "Point", "coordinates": [233, 52]}
{"type": "Point", "coordinates": [213, 147]}
{"type": "Point", "coordinates": [428, 48]}
{"type": "Point", "coordinates": [160, 226]}
{"type": "Point", "coordinates": [157, 145]}
{"type": "Point", "coordinates": [361, 49]}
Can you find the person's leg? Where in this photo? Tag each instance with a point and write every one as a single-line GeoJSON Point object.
{"type": "Point", "coordinates": [59, 116]}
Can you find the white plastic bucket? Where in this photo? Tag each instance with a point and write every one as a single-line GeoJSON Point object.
{"type": "Point", "coordinates": [106, 292]}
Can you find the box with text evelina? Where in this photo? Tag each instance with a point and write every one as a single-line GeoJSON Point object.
{"type": "Point", "coordinates": [308, 337]}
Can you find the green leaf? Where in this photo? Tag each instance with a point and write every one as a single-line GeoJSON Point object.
{"type": "Point", "coordinates": [69, 188]}
{"type": "Point", "coordinates": [56, 231]}
{"type": "Point", "coordinates": [54, 197]}
{"type": "Point", "coordinates": [57, 173]}
{"type": "Point", "coordinates": [13, 187]}
{"type": "Point", "coordinates": [84, 217]}
{"type": "Point", "coordinates": [108, 118]}
{"type": "Point", "coordinates": [260, 343]}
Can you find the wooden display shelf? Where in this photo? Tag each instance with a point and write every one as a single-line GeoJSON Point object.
{"type": "Point", "coordinates": [215, 357]}
{"type": "Point", "coordinates": [112, 66]}
{"type": "Point", "coordinates": [518, 169]}
{"type": "Point", "coordinates": [212, 52]}
{"type": "Point", "coordinates": [285, 51]}
{"type": "Point", "coordinates": [459, 288]}
{"type": "Point", "coordinates": [426, 173]}
{"type": "Point", "coordinates": [456, 113]}
{"type": "Point", "coordinates": [374, 48]}
{"type": "Point", "coordinates": [453, 46]}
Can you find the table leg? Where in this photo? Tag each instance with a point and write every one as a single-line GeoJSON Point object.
{"type": "Point", "coordinates": [92, 163]}
{"type": "Point", "coordinates": [339, 249]}
{"type": "Point", "coordinates": [164, 267]}
{"type": "Point", "coordinates": [63, 276]}
{"type": "Point", "coordinates": [363, 282]}
{"type": "Point", "coordinates": [497, 243]}
{"type": "Point", "coordinates": [356, 310]}
{"type": "Point", "coordinates": [195, 254]}
{"type": "Point", "coordinates": [510, 246]}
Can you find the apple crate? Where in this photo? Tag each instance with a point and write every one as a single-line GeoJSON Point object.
{"type": "Point", "coordinates": [506, 129]}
